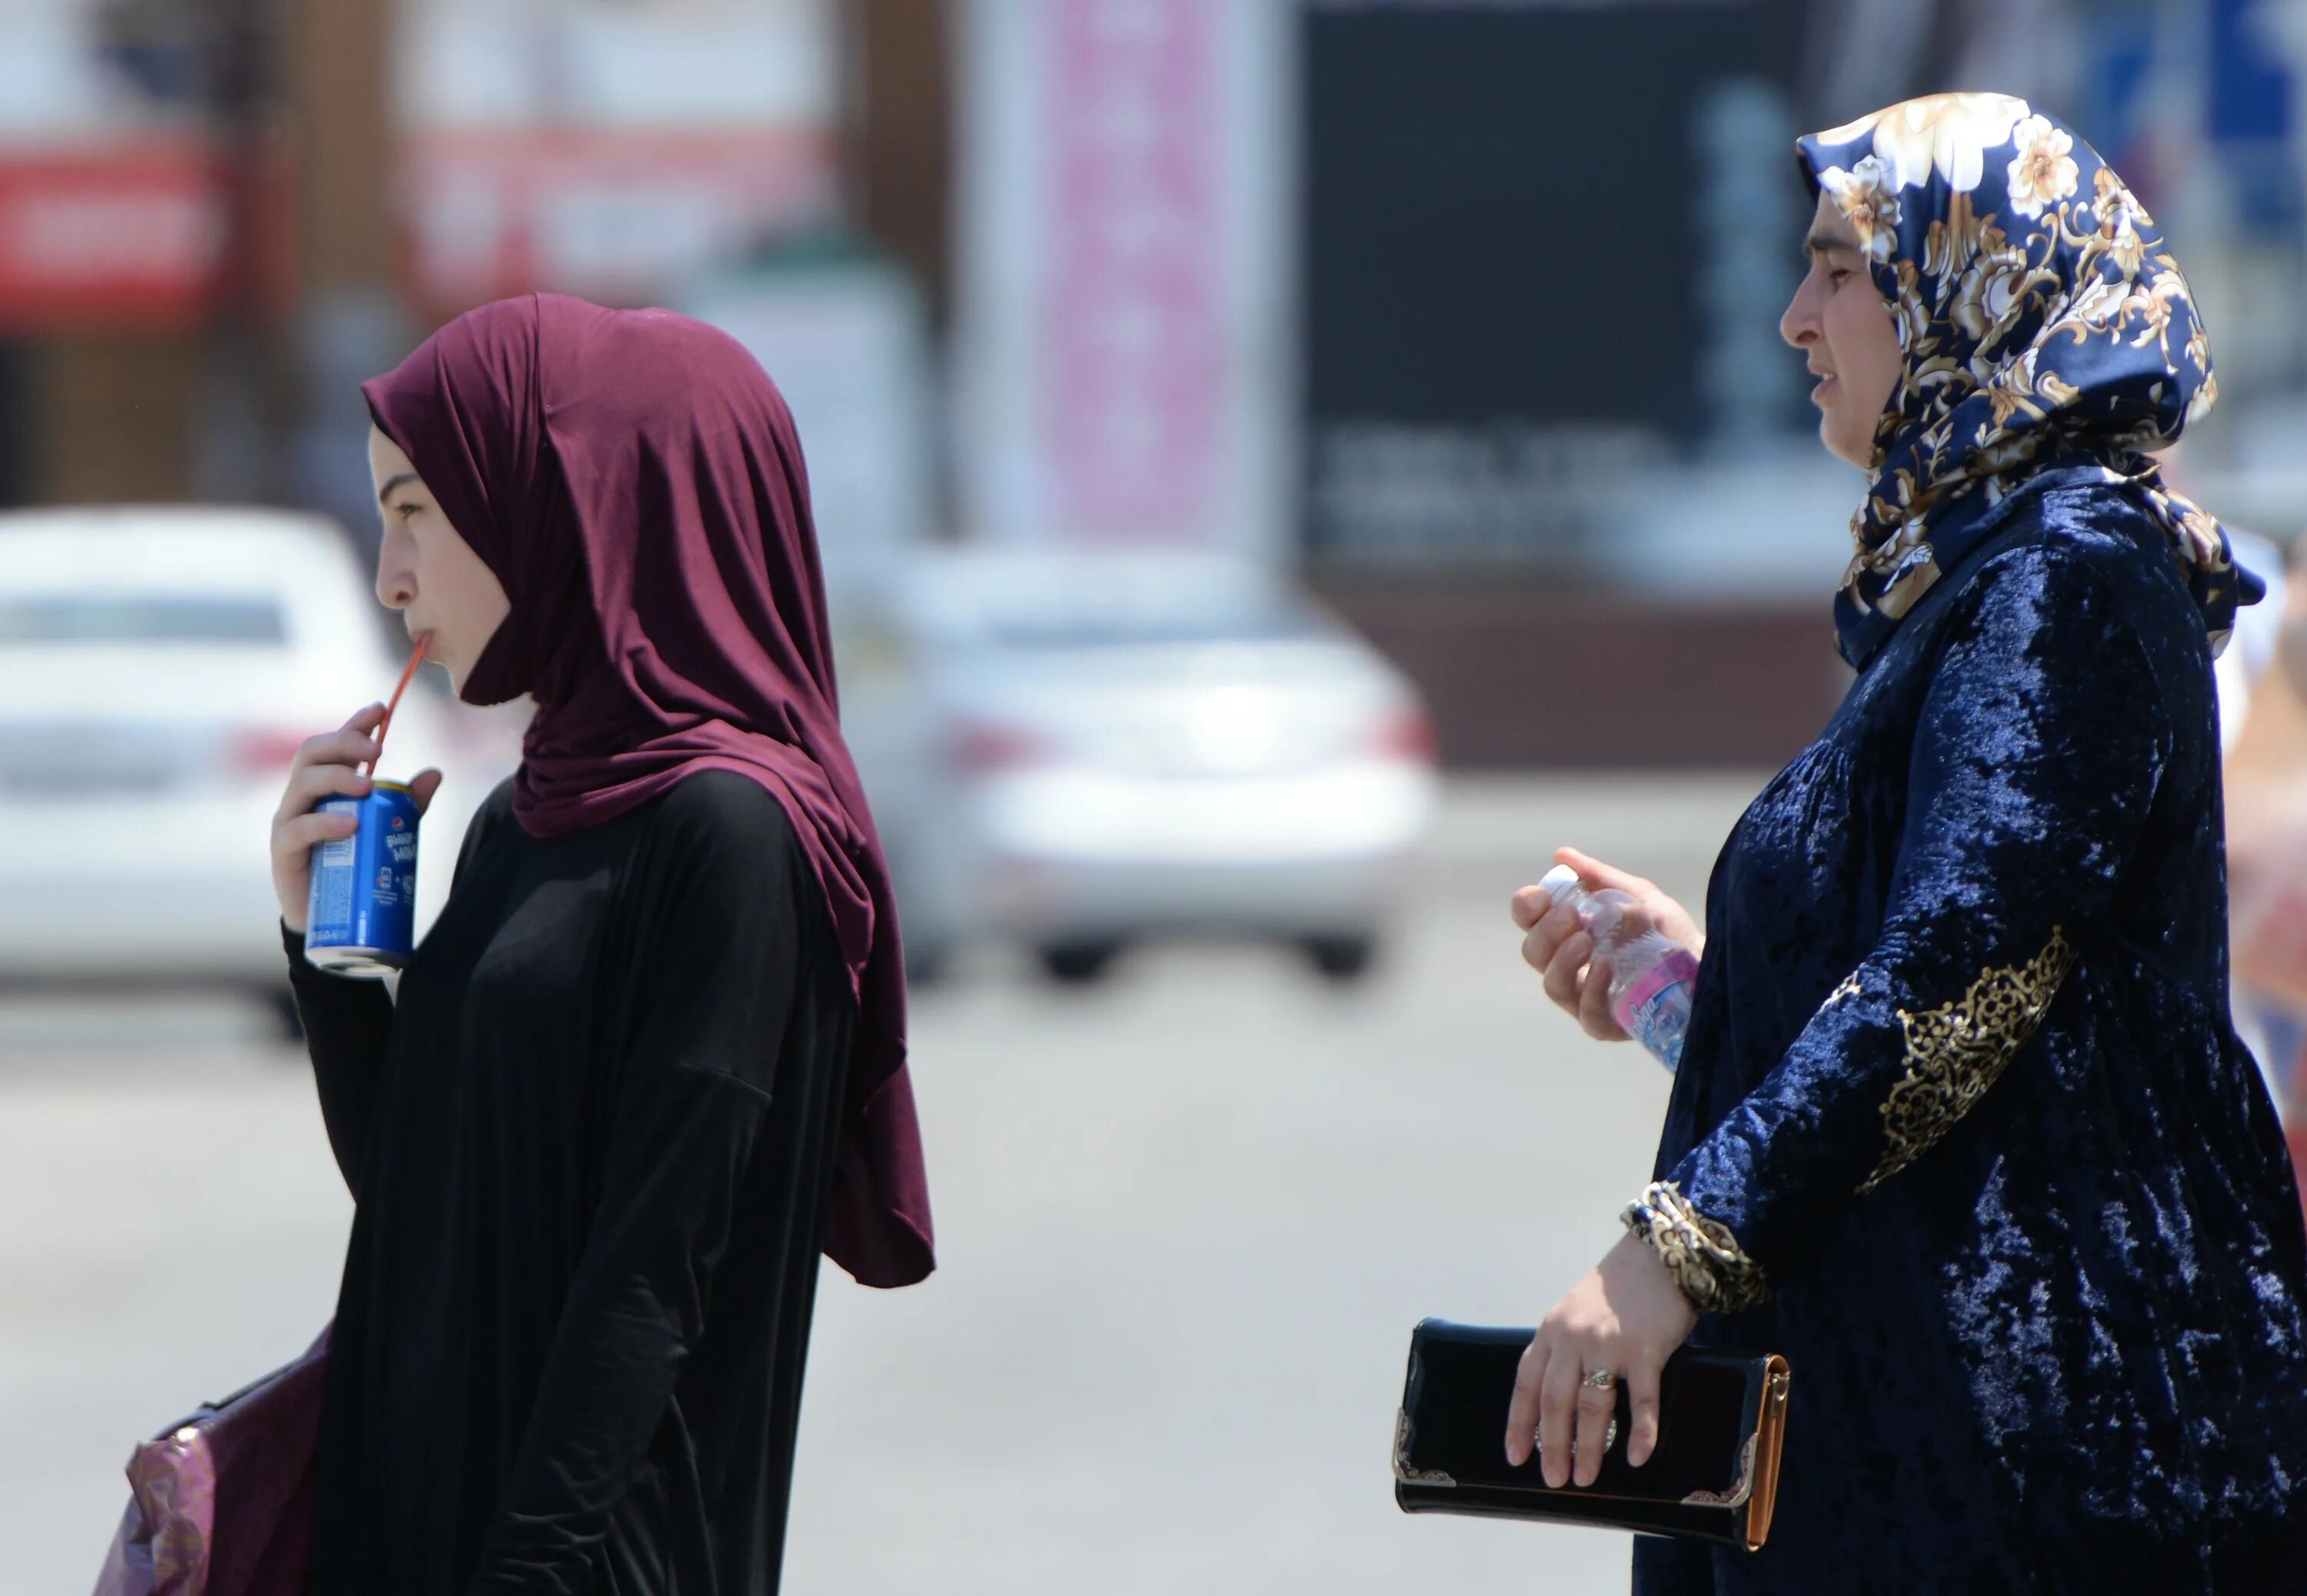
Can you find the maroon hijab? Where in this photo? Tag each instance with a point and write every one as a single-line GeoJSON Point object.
{"type": "Point", "coordinates": [633, 479]}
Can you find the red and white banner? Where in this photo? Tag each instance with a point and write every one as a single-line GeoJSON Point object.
{"type": "Point", "coordinates": [134, 238]}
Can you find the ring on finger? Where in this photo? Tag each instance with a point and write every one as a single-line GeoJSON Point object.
{"type": "Point", "coordinates": [1598, 1379]}
{"type": "Point", "coordinates": [1609, 1439]}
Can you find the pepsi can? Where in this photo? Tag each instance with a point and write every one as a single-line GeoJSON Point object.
{"type": "Point", "coordinates": [360, 918]}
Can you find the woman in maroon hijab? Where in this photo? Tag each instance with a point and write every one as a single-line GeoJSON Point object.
{"type": "Point", "coordinates": [651, 1057]}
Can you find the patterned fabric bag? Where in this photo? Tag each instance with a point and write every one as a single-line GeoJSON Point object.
{"type": "Point", "coordinates": [221, 1502]}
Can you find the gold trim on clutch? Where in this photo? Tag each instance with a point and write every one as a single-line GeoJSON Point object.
{"type": "Point", "coordinates": [1741, 1487]}
{"type": "Point", "coordinates": [1402, 1469]}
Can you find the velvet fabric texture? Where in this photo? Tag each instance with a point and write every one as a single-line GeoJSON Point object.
{"type": "Point", "coordinates": [634, 481]}
{"type": "Point", "coordinates": [1961, 1089]}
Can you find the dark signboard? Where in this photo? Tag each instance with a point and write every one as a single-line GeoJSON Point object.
{"type": "Point", "coordinates": [1516, 223]}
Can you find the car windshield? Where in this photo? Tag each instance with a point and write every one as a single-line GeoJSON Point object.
{"type": "Point", "coordinates": [115, 618]}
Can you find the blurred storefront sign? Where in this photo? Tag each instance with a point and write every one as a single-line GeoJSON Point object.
{"type": "Point", "coordinates": [135, 238]}
{"type": "Point", "coordinates": [109, 240]}
{"type": "Point", "coordinates": [1522, 297]}
{"type": "Point", "coordinates": [613, 214]}
{"type": "Point", "coordinates": [1120, 344]}
{"type": "Point", "coordinates": [2248, 114]}
{"type": "Point", "coordinates": [606, 149]}
{"type": "Point", "coordinates": [1412, 494]}
{"type": "Point", "coordinates": [116, 211]}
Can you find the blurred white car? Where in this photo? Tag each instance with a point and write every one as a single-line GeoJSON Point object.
{"type": "Point", "coordinates": [1080, 750]}
{"type": "Point", "coordinates": [158, 667]}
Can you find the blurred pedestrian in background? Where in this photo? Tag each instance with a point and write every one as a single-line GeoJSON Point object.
{"type": "Point", "coordinates": [2263, 704]}
{"type": "Point", "coordinates": [2263, 750]}
{"type": "Point", "coordinates": [1961, 1126]}
{"type": "Point", "coordinates": [650, 1059]}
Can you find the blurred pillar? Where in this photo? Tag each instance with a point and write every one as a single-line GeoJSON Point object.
{"type": "Point", "coordinates": [18, 415]}
{"type": "Point", "coordinates": [899, 130]}
{"type": "Point", "coordinates": [112, 419]}
{"type": "Point", "coordinates": [240, 411]}
{"type": "Point", "coordinates": [349, 322]}
{"type": "Point", "coordinates": [334, 58]}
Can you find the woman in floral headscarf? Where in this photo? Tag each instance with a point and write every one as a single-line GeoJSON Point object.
{"type": "Point", "coordinates": [1961, 1126]}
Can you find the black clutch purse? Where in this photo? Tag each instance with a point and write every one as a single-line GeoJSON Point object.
{"type": "Point", "coordinates": [1714, 1476]}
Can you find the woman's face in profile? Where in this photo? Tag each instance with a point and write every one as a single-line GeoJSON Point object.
{"type": "Point", "coordinates": [1840, 320]}
{"type": "Point", "coordinates": [427, 572]}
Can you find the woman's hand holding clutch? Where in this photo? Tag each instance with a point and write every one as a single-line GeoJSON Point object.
{"type": "Point", "coordinates": [1623, 1320]}
{"type": "Point", "coordinates": [1555, 945]}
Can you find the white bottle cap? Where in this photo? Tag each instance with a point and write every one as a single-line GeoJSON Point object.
{"type": "Point", "coordinates": [1556, 879]}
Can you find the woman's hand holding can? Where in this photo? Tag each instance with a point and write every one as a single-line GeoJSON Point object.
{"type": "Point", "coordinates": [326, 767]}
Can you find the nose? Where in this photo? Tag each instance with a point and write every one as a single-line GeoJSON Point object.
{"type": "Point", "coordinates": [1800, 325]}
{"type": "Point", "coordinates": [396, 571]}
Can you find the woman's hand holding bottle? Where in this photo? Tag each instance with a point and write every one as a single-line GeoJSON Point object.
{"type": "Point", "coordinates": [1558, 945]}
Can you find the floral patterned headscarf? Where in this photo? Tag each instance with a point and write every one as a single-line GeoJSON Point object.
{"type": "Point", "coordinates": [2042, 323]}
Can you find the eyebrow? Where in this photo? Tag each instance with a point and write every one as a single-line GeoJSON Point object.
{"type": "Point", "coordinates": [391, 483]}
{"type": "Point", "coordinates": [1822, 242]}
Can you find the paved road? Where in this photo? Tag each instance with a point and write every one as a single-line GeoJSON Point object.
{"type": "Point", "coordinates": [1186, 1222]}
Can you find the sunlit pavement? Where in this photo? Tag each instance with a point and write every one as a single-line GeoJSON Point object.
{"type": "Point", "coordinates": [1186, 1221]}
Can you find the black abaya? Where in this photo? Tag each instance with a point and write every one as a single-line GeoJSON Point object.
{"type": "Point", "coordinates": [590, 1147]}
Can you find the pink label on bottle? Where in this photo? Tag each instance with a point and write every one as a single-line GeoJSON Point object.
{"type": "Point", "coordinates": [1677, 965]}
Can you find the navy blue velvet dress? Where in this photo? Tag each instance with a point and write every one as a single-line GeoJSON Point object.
{"type": "Point", "coordinates": [1962, 1124]}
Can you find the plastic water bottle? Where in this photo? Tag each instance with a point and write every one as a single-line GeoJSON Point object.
{"type": "Point", "coordinates": [1651, 975]}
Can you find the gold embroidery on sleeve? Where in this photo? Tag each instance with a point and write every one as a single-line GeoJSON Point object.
{"type": "Point", "coordinates": [1703, 1255]}
{"type": "Point", "coordinates": [1849, 988]}
{"type": "Point", "coordinates": [1958, 1051]}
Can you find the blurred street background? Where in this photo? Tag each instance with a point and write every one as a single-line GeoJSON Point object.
{"type": "Point", "coordinates": [1185, 1225]}
{"type": "Point", "coordinates": [1281, 466]}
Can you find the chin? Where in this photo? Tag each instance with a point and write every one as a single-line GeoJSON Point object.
{"type": "Point", "coordinates": [1843, 449]}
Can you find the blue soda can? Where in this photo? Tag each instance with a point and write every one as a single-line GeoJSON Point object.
{"type": "Point", "coordinates": [360, 918]}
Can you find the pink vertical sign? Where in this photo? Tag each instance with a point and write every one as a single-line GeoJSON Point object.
{"type": "Point", "coordinates": [1135, 382]}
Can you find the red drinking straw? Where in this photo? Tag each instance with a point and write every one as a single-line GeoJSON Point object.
{"type": "Point", "coordinates": [415, 657]}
